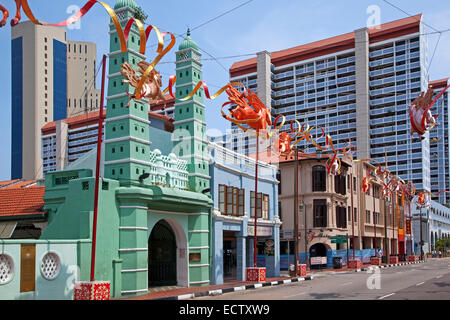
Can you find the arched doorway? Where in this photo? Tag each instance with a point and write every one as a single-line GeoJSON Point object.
{"type": "Point", "coordinates": [162, 256]}
{"type": "Point", "coordinates": [316, 251]}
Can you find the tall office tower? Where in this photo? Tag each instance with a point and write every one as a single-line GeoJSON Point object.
{"type": "Point", "coordinates": [439, 140]}
{"type": "Point", "coordinates": [39, 92]}
{"type": "Point", "coordinates": [82, 95]}
{"type": "Point", "coordinates": [357, 86]}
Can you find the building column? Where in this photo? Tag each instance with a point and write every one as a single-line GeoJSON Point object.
{"type": "Point", "coordinates": [250, 250]}
{"type": "Point", "coordinates": [241, 258]}
{"type": "Point", "coordinates": [217, 247]}
{"type": "Point", "coordinates": [362, 93]}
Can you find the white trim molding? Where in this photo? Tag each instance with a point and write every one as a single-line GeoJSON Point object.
{"type": "Point", "coordinates": [134, 270]}
{"type": "Point", "coordinates": [134, 228]}
{"type": "Point", "coordinates": [128, 116]}
{"type": "Point", "coordinates": [198, 265]}
{"type": "Point", "coordinates": [133, 207]}
{"type": "Point", "coordinates": [144, 163]}
{"type": "Point", "coordinates": [128, 138]}
{"type": "Point", "coordinates": [133, 249]}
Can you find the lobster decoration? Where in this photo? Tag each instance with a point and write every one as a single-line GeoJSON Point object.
{"type": "Point", "coordinates": [5, 12]}
{"type": "Point", "coordinates": [248, 110]}
{"type": "Point", "coordinates": [420, 115]}
{"type": "Point", "coordinates": [152, 86]}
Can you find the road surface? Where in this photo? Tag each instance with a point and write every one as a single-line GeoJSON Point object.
{"type": "Point", "coordinates": [424, 281]}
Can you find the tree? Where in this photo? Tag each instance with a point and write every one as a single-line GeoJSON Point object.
{"type": "Point", "coordinates": [140, 15]}
{"type": "Point", "coordinates": [443, 245]}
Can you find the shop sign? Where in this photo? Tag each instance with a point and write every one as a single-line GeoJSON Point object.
{"type": "Point", "coordinates": [262, 231]}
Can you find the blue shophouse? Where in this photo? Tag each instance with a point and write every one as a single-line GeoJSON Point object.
{"type": "Point", "coordinates": [232, 189]}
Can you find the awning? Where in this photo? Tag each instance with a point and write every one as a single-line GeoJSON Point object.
{"type": "Point", "coordinates": [7, 229]}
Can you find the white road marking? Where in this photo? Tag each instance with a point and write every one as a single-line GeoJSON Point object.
{"type": "Point", "coordinates": [388, 295]}
{"type": "Point", "coordinates": [347, 283]}
{"type": "Point", "coordinates": [438, 277]}
{"type": "Point", "coordinates": [419, 284]}
{"type": "Point", "coordinates": [295, 295]}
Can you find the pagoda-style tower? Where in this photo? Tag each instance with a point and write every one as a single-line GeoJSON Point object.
{"type": "Point", "coordinates": [190, 142]}
{"type": "Point", "coordinates": [127, 142]}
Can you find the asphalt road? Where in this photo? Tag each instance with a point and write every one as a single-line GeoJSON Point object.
{"type": "Point", "coordinates": [425, 281]}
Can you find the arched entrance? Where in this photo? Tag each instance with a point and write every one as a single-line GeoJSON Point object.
{"type": "Point", "coordinates": [318, 250]}
{"type": "Point", "coordinates": [162, 256]}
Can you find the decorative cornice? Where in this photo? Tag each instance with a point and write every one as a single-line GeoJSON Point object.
{"type": "Point", "coordinates": [128, 116]}
{"type": "Point", "coordinates": [144, 163]}
{"type": "Point", "coordinates": [128, 138]}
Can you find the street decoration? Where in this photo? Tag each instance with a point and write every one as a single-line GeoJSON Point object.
{"type": "Point", "coordinates": [334, 164]}
{"type": "Point", "coordinates": [420, 112]}
{"type": "Point", "coordinates": [424, 198]}
{"type": "Point", "coordinates": [151, 88]}
{"type": "Point", "coordinates": [5, 12]}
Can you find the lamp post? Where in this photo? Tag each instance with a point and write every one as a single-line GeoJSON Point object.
{"type": "Point", "coordinates": [374, 221]}
{"type": "Point", "coordinates": [386, 244]}
{"type": "Point", "coordinates": [352, 213]}
{"type": "Point", "coordinates": [296, 203]}
{"type": "Point", "coordinates": [421, 238]}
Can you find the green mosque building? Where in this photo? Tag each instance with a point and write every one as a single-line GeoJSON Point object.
{"type": "Point", "coordinates": [154, 213]}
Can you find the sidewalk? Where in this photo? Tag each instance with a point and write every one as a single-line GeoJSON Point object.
{"type": "Point", "coordinates": [232, 286]}
{"type": "Point", "coordinates": [195, 292]}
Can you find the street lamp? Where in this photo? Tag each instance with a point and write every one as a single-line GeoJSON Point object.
{"type": "Point", "coordinates": [387, 204]}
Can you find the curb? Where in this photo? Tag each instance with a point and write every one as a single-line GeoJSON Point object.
{"type": "Point", "coordinates": [388, 266]}
{"type": "Point", "coordinates": [375, 267]}
{"type": "Point", "coordinates": [235, 289]}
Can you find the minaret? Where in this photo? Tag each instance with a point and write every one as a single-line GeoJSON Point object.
{"type": "Point", "coordinates": [190, 142]}
{"type": "Point", "coordinates": [127, 142]}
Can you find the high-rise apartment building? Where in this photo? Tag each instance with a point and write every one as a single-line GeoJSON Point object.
{"type": "Point", "coordinates": [439, 140]}
{"type": "Point", "coordinates": [39, 92]}
{"type": "Point", "coordinates": [357, 86]}
{"type": "Point", "coordinates": [82, 95]}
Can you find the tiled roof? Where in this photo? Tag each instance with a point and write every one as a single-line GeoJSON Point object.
{"type": "Point", "coordinates": [168, 103]}
{"type": "Point", "coordinates": [439, 83]}
{"type": "Point", "coordinates": [273, 158]}
{"type": "Point", "coordinates": [20, 184]}
{"type": "Point", "coordinates": [87, 117]}
{"type": "Point", "coordinates": [5, 183]}
{"type": "Point", "coordinates": [15, 184]}
{"type": "Point", "coordinates": [21, 202]}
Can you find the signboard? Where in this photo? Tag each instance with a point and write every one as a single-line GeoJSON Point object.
{"type": "Point", "coordinates": [262, 231]}
{"type": "Point", "coordinates": [195, 257]}
{"type": "Point", "coordinates": [288, 234]}
{"type": "Point", "coordinates": [408, 227]}
{"type": "Point", "coordinates": [27, 267]}
{"type": "Point", "coordinates": [318, 260]}
{"type": "Point", "coordinates": [339, 239]}
{"type": "Point", "coordinates": [269, 249]}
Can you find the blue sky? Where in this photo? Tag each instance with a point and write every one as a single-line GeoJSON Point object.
{"type": "Point", "coordinates": [259, 25]}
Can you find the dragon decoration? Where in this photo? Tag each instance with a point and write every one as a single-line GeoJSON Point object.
{"type": "Point", "coordinates": [5, 12]}
{"type": "Point", "coordinates": [247, 110]}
